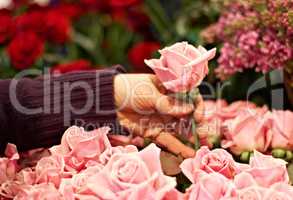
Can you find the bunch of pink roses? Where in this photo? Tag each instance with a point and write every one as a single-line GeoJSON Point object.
{"type": "Point", "coordinates": [215, 175]}
{"type": "Point", "coordinates": [86, 166]}
{"type": "Point", "coordinates": [243, 127]}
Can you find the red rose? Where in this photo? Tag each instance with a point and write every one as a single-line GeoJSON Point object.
{"type": "Point", "coordinates": [31, 21]}
{"type": "Point", "coordinates": [123, 3]}
{"type": "Point", "coordinates": [71, 10]}
{"type": "Point", "coordinates": [6, 27]}
{"type": "Point", "coordinates": [141, 51]}
{"type": "Point", "coordinates": [25, 49]}
{"type": "Point", "coordinates": [78, 65]}
{"type": "Point", "coordinates": [57, 27]}
{"type": "Point", "coordinates": [92, 5]}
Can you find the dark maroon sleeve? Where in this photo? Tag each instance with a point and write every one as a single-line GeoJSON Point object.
{"type": "Point", "coordinates": [55, 103]}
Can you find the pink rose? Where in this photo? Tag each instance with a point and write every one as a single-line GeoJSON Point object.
{"type": "Point", "coordinates": [279, 191]}
{"type": "Point", "coordinates": [26, 176]}
{"type": "Point", "coordinates": [78, 146]}
{"type": "Point", "coordinates": [282, 129]}
{"type": "Point", "coordinates": [247, 132]}
{"type": "Point", "coordinates": [182, 66]}
{"type": "Point", "coordinates": [50, 169]}
{"type": "Point", "coordinates": [212, 186]}
{"type": "Point", "coordinates": [109, 152]}
{"type": "Point", "coordinates": [136, 175]}
{"type": "Point", "coordinates": [249, 188]}
{"type": "Point", "coordinates": [251, 193]}
{"type": "Point", "coordinates": [79, 180]}
{"type": "Point", "coordinates": [236, 107]}
{"type": "Point", "coordinates": [206, 161]}
{"type": "Point", "coordinates": [8, 165]}
{"type": "Point", "coordinates": [212, 109]}
{"type": "Point", "coordinates": [41, 191]}
{"type": "Point", "coordinates": [267, 170]}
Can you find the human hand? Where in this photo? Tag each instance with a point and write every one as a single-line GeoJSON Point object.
{"type": "Point", "coordinates": [159, 129]}
{"type": "Point", "coordinates": [144, 94]}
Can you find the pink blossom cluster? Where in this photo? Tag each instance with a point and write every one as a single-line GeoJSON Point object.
{"type": "Point", "coordinates": [85, 166]}
{"type": "Point", "coordinates": [242, 126]}
{"type": "Point", "coordinates": [257, 35]}
{"type": "Point", "coordinates": [216, 176]}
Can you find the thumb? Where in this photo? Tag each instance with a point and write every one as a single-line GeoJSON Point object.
{"type": "Point", "coordinates": [171, 106]}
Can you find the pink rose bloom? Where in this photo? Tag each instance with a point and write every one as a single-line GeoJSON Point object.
{"type": "Point", "coordinates": [173, 195]}
{"type": "Point", "coordinates": [41, 191]}
{"type": "Point", "coordinates": [233, 109]}
{"type": "Point", "coordinates": [182, 66]}
{"type": "Point", "coordinates": [8, 165]}
{"type": "Point", "coordinates": [249, 188]}
{"type": "Point", "coordinates": [279, 191]}
{"type": "Point", "coordinates": [206, 161]}
{"type": "Point", "coordinates": [79, 181]}
{"type": "Point", "coordinates": [282, 129]}
{"type": "Point", "coordinates": [50, 169]}
{"type": "Point", "coordinates": [78, 146]}
{"type": "Point", "coordinates": [136, 175]}
{"type": "Point", "coordinates": [213, 109]}
{"type": "Point", "coordinates": [212, 186]}
{"type": "Point", "coordinates": [251, 193]}
{"type": "Point", "coordinates": [267, 170]}
{"type": "Point", "coordinates": [109, 152]}
{"type": "Point", "coordinates": [247, 132]}
{"type": "Point", "coordinates": [26, 176]}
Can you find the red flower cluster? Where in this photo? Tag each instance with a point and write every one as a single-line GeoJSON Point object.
{"type": "Point", "coordinates": [27, 33]}
{"type": "Point", "coordinates": [25, 49]}
{"type": "Point", "coordinates": [6, 27]}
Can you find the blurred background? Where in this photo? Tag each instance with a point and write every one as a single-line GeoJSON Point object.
{"type": "Point", "coordinates": [253, 38]}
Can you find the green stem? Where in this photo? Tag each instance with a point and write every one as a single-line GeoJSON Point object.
{"type": "Point", "coordinates": [194, 133]}
{"type": "Point", "coordinates": [159, 19]}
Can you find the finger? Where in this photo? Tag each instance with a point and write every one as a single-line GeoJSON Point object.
{"type": "Point", "coordinates": [171, 106]}
{"type": "Point", "coordinates": [158, 84]}
{"type": "Point", "coordinates": [198, 113]}
{"type": "Point", "coordinates": [134, 123]}
{"type": "Point", "coordinates": [172, 144]}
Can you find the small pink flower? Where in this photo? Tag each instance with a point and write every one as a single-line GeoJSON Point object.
{"type": "Point", "coordinates": [206, 161]}
{"type": "Point", "coordinates": [136, 175]}
{"type": "Point", "coordinates": [212, 186]}
{"type": "Point", "coordinates": [282, 129]}
{"type": "Point", "coordinates": [182, 66]}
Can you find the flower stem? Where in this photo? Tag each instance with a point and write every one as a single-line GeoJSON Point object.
{"type": "Point", "coordinates": [194, 133]}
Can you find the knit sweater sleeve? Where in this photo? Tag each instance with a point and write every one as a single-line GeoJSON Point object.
{"type": "Point", "coordinates": [35, 112]}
